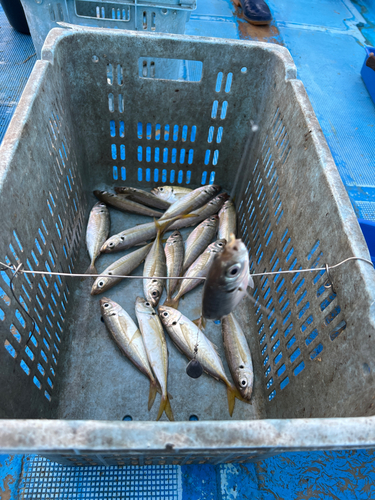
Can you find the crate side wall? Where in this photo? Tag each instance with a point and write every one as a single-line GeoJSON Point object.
{"type": "Point", "coordinates": [315, 343]}
{"type": "Point", "coordinates": [146, 131]}
{"type": "Point", "coordinates": [43, 217]}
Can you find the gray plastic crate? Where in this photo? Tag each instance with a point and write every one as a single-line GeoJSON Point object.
{"type": "Point", "coordinates": [93, 114]}
{"type": "Point", "coordinates": [163, 16]}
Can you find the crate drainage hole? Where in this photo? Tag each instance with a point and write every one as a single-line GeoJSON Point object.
{"type": "Point", "coordinates": [127, 417]}
{"type": "Point", "coordinates": [193, 417]}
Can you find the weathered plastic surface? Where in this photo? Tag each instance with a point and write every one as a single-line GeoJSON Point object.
{"type": "Point", "coordinates": [89, 118]}
{"type": "Point", "coordinates": [166, 16]}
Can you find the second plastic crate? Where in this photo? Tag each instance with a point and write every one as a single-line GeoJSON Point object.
{"type": "Point", "coordinates": [167, 16]}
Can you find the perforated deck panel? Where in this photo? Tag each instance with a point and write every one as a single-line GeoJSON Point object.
{"type": "Point", "coordinates": [152, 482]}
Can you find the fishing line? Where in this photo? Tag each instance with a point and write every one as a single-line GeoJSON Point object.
{"type": "Point", "coordinates": [269, 273]}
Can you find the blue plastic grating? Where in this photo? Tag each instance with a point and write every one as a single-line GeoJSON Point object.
{"type": "Point", "coordinates": [17, 59]}
{"type": "Point", "coordinates": [46, 480]}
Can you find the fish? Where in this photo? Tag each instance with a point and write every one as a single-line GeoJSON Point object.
{"type": "Point", "coordinates": [123, 266]}
{"type": "Point", "coordinates": [191, 201]}
{"type": "Point", "coordinates": [97, 232]}
{"type": "Point", "coordinates": [143, 197]}
{"type": "Point", "coordinates": [226, 281]}
{"type": "Point", "coordinates": [193, 343]}
{"type": "Point", "coordinates": [141, 234]}
{"type": "Point", "coordinates": [171, 194]}
{"type": "Point", "coordinates": [174, 255]}
{"type": "Point", "coordinates": [126, 205]}
{"type": "Point", "coordinates": [198, 269]}
{"type": "Point", "coordinates": [156, 349]}
{"type": "Point", "coordinates": [129, 238]}
{"type": "Point", "coordinates": [227, 220]}
{"type": "Point", "coordinates": [199, 239]}
{"type": "Point", "coordinates": [155, 265]}
{"type": "Point", "coordinates": [199, 214]}
{"type": "Point", "coordinates": [127, 336]}
{"type": "Point", "coordinates": [238, 355]}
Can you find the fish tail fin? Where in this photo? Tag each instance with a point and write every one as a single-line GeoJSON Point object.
{"type": "Point", "coordinates": [91, 269]}
{"type": "Point", "coordinates": [168, 410]}
{"type": "Point", "coordinates": [152, 393]}
{"type": "Point", "coordinates": [232, 394]}
{"type": "Point", "coordinates": [165, 406]}
{"type": "Point", "coordinates": [163, 224]}
{"type": "Point", "coordinates": [172, 302]}
{"type": "Point", "coordinates": [201, 323]}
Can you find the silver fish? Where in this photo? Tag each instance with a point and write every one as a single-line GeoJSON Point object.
{"type": "Point", "coordinates": [210, 208]}
{"type": "Point", "coordinates": [97, 232]}
{"type": "Point", "coordinates": [142, 233]}
{"type": "Point", "coordinates": [155, 265]}
{"type": "Point", "coordinates": [190, 202]}
{"type": "Point", "coordinates": [174, 254]}
{"type": "Point", "coordinates": [124, 204]}
{"type": "Point", "coordinates": [129, 238]}
{"type": "Point", "coordinates": [143, 197]}
{"type": "Point", "coordinates": [192, 342]}
{"type": "Point", "coordinates": [171, 194]}
{"type": "Point", "coordinates": [156, 348]}
{"type": "Point", "coordinates": [123, 266]}
{"type": "Point", "coordinates": [198, 269]}
{"type": "Point", "coordinates": [129, 339]}
{"type": "Point", "coordinates": [227, 220]}
{"type": "Point", "coordinates": [238, 355]}
{"type": "Point", "coordinates": [227, 280]}
{"type": "Point", "coordinates": [199, 239]}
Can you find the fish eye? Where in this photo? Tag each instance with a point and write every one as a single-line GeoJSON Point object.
{"type": "Point", "coordinates": [122, 238]}
{"type": "Point", "coordinates": [110, 273]}
{"type": "Point", "coordinates": [219, 244]}
{"type": "Point", "coordinates": [234, 270]}
{"type": "Point", "coordinates": [243, 382]}
{"type": "Point", "coordinates": [161, 189]}
{"type": "Point", "coordinates": [242, 366]}
{"type": "Point", "coordinates": [165, 314]}
{"type": "Point", "coordinates": [174, 323]}
{"type": "Point", "coordinates": [154, 281]}
{"type": "Point", "coordinates": [100, 284]}
{"type": "Point", "coordinates": [147, 304]}
{"type": "Point", "coordinates": [155, 293]}
{"type": "Point", "coordinates": [106, 305]}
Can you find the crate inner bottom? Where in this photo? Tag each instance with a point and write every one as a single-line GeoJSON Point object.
{"type": "Point", "coordinates": [99, 383]}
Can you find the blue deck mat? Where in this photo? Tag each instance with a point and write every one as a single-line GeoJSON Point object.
{"type": "Point", "coordinates": [17, 59]}
{"type": "Point", "coordinates": [327, 46]}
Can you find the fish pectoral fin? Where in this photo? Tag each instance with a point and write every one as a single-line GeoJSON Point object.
{"type": "Point", "coordinates": [135, 335]}
{"type": "Point", "coordinates": [187, 336]}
